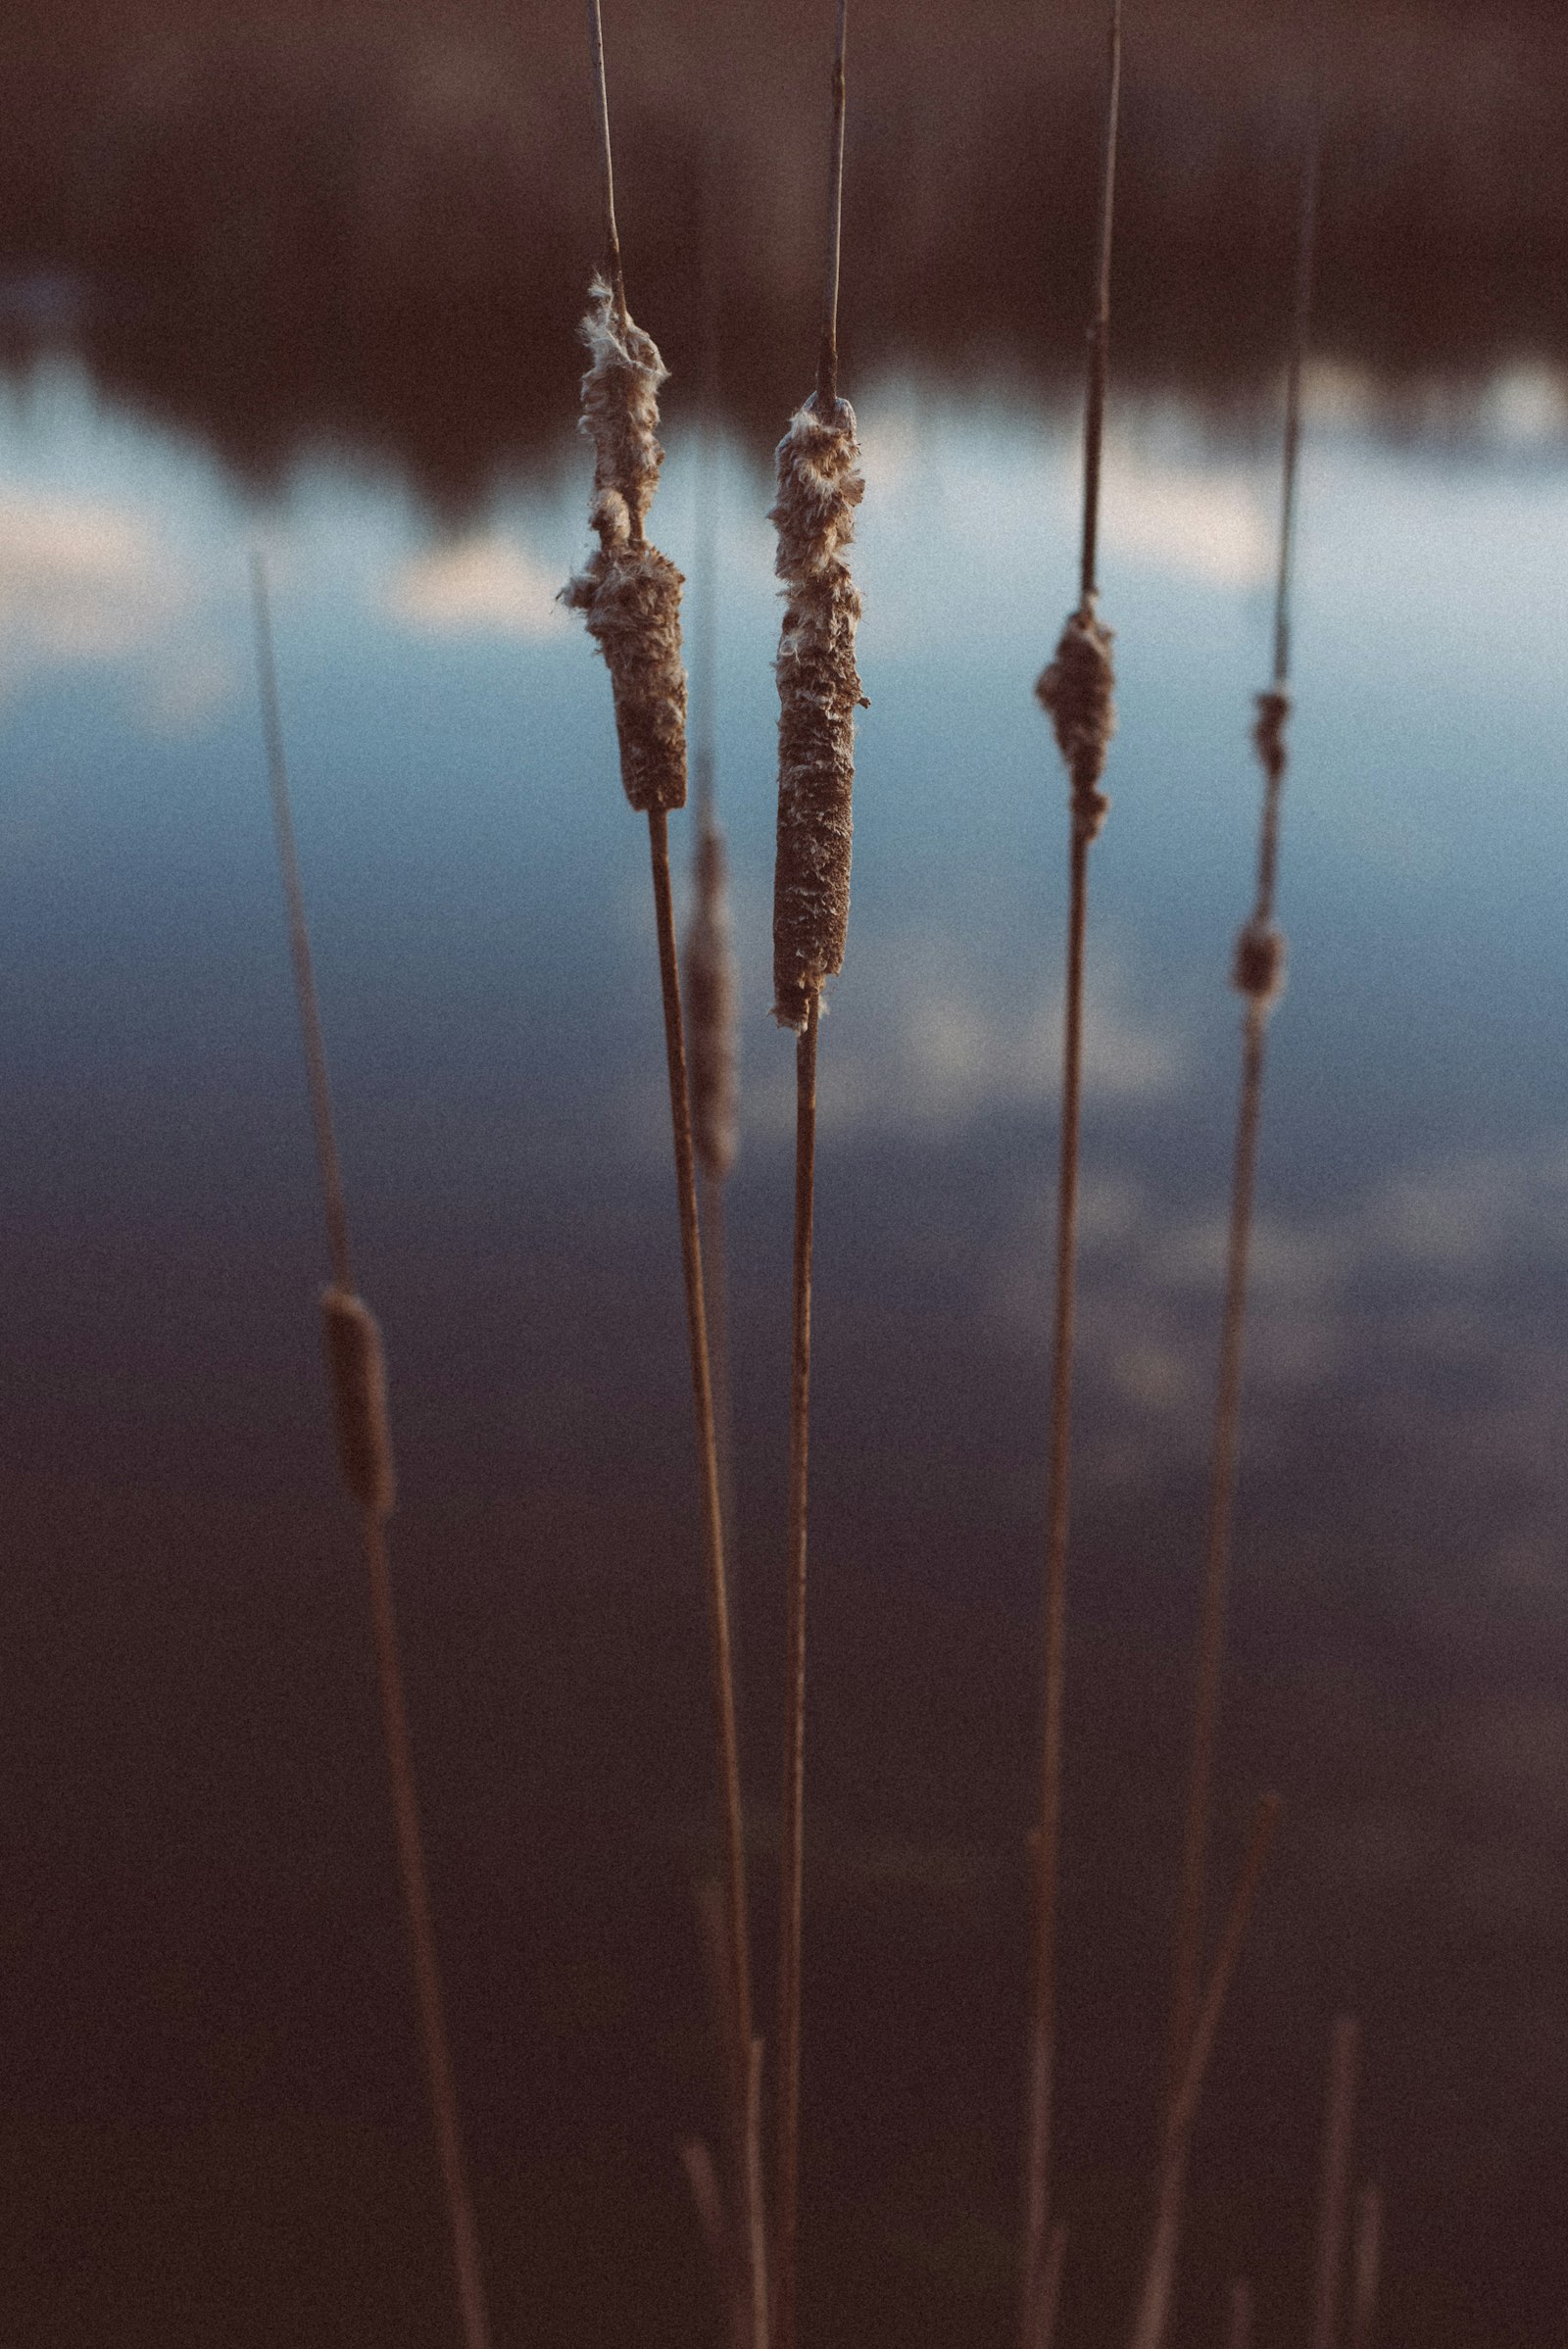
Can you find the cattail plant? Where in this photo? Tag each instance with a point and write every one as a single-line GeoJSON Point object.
{"type": "Point", "coordinates": [629, 595]}
{"type": "Point", "coordinates": [1258, 973]}
{"type": "Point", "coordinates": [357, 1376]}
{"type": "Point", "coordinates": [1076, 692]}
{"type": "Point", "coordinates": [819, 486]}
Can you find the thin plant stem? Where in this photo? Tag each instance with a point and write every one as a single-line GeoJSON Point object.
{"type": "Point", "coordinates": [715, 1286]}
{"type": "Point", "coordinates": [1050, 2301]}
{"type": "Point", "coordinates": [787, 2121]}
{"type": "Point", "coordinates": [1338, 2125]}
{"type": "Point", "coordinates": [1100, 326]}
{"type": "Point", "coordinates": [1366, 2264]}
{"type": "Point", "coordinates": [1047, 1830]}
{"type": "Point", "coordinates": [612, 262]}
{"type": "Point", "coordinates": [827, 368]}
{"type": "Point", "coordinates": [1083, 729]}
{"type": "Point", "coordinates": [1259, 980]}
{"type": "Point", "coordinates": [792, 1854]}
{"type": "Point", "coordinates": [366, 1447]}
{"type": "Point", "coordinates": [1238, 2328]}
{"type": "Point", "coordinates": [723, 1676]}
{"type": "Point", "coordinates": [299, 937]}
{"type": "Point", "coordinates": [1160, 2273]}
{"type": "Point", "coordinates": [439, 2077]}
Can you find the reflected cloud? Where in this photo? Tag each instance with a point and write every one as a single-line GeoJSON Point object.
{"type": "Point", "coordinates": [934, 1047]}
{"type": "Point", "coordinates": [1351, 1289]}
{"type": "Point", "coordinates": [184, 698]}
{"type": "Point", "coordinates": [486, 586]}
{"type": "Point", "coordinates": [1195, 522]}
{"type": "Point", "coordinates": [81, 580]}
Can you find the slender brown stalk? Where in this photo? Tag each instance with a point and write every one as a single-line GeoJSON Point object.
{"type": "Point", "coordinates": [788, 2086]}
{"type": "Point", "coordinates": [1160, 2273]}
{"type": "Point", "coordinates": [1239, 2330]}
{"type": "Point", "coordinates": [1258, 973]}
{"type": "Point", "coordinates": [358, 1376]}
{"type": "Point", "coordinates": [708, 959]}
{"type": "Point", "coordinates": [1076, 690]}
{"type": "Point", "coordinates": [630, 595]}
{"type": "Point", "coordinates": [1050, 2301]}
{"type": "Point", "coordinates": [1366, 2266]}
{"type": "Point", "coordinates": [1339, 2127]}
{"type": "Point", "coordinates": [723, 1673]}
{"type": "Point", "coordinates": [819, 486]}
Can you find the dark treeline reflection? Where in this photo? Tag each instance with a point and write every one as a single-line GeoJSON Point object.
{"type": "Point", "coordinates": [302, 225]}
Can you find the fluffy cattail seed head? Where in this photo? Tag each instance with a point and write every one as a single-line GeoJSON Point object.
{"type": "Point", "coordinates": [709, 974]}
{"type": "Point", "coordinates": [628, 593]}
{"type": "Point", "coordinates": [819, 486]}
{"type": "Point", "coordinates": [1077, 692]}
{"type": "Point", "coordinates": [356, 1368]}
{"type": "Point", "coordinates": [1258, 970]}
{"type": "Point", "coordinates": [1268, 732]}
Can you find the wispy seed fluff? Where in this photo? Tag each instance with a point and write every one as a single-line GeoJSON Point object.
{"type": "Point", "coordinates": [710, 973]}
{"type": "Point", "coordinates": [819, 486]}
{"type": "Point", "coordinates": [629, 593]}
{"type": "Point", "coordinates": [1077, 691]}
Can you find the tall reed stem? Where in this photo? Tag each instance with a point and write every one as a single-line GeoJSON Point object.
{"type": "Point", "coordinates": [1076, 690]}
{"type": "Point", "coordinates": [787, 2118]}
{"type": "Point", "coordinates": [1160, 2274]}
{"type": "Point", "coordinates": [821, 683]}
{"type": "Point", "coordinates": [630, 595]}
{"type": "Point", "coordinates": [355, 1361]}
{"type": "Point", "coordinates": [708, 1463]}
{"type": "Point", "coordinates": [1339, 2127]}
{"type": "Point", "coordinates": [1258, 975]}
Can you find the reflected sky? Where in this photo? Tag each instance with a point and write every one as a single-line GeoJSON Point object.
{"type": "Point", "coordinates": [480, 902]}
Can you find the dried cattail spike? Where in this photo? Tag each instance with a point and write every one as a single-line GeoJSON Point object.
{"type": "Point", "coordinates": [357, 1367]}
{"type": "Point", "coordinates": [1268, 731]}
{"type": "Point", "coordinates": [819, 486]}
{"type": "Point", "coordinates": [628, 592]}
{"type": "Point", "coordinates": [1078, 691]}
{"type": "Point", "coordinates": [1258, 970]}
{"type": "Point", "coordinates": [711, 1012]}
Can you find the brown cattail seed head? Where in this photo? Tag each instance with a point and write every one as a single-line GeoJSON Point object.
{"type": "Point", "coordinates": [1258, 970]}
{"type": "Point", "coordinates": [356, 1368]}
{"type": "Point", "coordinates": [710, 973]}
{"type": "Point", "coordinates": [1077, 691]}
{"type": "Point", "coordinates": [1268, 732]}
{"type": "Point", "coordinates": [819, 486]}
{"type": "Point", "coordinates": [628, 592]}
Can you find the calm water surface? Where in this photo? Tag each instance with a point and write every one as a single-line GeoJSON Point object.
{"type": "Point", "coordinates": [211, 2128]}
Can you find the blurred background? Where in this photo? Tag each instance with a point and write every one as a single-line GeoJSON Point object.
{"type": "Point", "coordinates": [308, 277]}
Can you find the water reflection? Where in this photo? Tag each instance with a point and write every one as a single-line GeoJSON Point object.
{"type": "Point", "coordinates": [336, 227]}
{"type": "Point", "coordinates": [204, 2015]}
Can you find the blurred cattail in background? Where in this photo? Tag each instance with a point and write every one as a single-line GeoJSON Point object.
{"type": "Point", "coordinates": [357, 1375]}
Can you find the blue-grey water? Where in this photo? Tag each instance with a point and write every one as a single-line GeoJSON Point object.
{"type": "Point", "coordinates": [211, 2120]}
